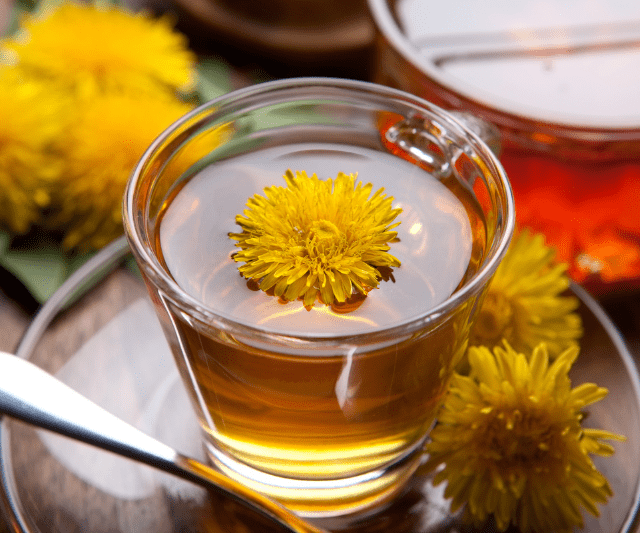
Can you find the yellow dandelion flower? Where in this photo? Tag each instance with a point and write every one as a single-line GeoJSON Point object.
{"type": "Point", "coordinates": [109, 134]}
{"type": "Point", "coordinates": [524, 303]}
{"type": "Point", "coordinates": [317, 239]}
{"type": "Point", "coordinates": [510, 442]}
{"type": "Point", "coordinates": [31, 118]}
{"type": "Point", "coordinates": [104, 45]}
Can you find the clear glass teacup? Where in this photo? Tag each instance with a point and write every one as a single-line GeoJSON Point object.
{"type": "Point", "coordinates": [323, 407]}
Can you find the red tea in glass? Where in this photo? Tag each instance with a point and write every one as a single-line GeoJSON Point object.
{"type": "Point", "coordinates": [560, 80]}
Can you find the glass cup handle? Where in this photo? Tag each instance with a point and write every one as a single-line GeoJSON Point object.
{"type": "Point", "coordinates": [424, 143]}
{"type": "Point", "coordinates": [483, 129]}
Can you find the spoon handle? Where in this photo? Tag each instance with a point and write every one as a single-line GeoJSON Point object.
{"type": "Point", "coordinates": [34, 396]}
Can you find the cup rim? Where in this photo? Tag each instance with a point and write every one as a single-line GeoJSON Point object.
{"type": "Point", "coordinates": [173, 292]}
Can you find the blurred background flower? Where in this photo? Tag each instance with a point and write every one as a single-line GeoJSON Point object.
{"type": "Point", "coordinates": [109, 134]}
{"type": "Point", "coordinates": [100, 45]}
{"type": "Point", "coordinates": [526, 302]}
{"type": "Point", "coordinates": [86, 88]}
{"type": "Point", "coordinates": [31, 119]}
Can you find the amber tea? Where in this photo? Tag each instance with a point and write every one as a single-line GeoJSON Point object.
{"type": "Point", "coordinates": [297, 413]}
{"type": "Point", "coordinates": [324, 408]}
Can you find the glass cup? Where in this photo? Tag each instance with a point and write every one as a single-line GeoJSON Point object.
{"type": "Point", "coordinates": [326, 410]}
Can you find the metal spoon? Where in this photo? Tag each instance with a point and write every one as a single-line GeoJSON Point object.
{"type": "Point", "coordinates": [34, 396]}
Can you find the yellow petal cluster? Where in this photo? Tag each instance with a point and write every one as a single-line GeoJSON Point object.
{"type": "Point", "coordinates": [110, 133]}
{"type": "Point", "coordinates": [509, 442]}
{"type": "Point", "coordinates": [525, 303]}
{"type": "Point", "coordinates": [317, 239]}
{"type": "Point", "coordinates": [30, 122]}
{"type": "Point", "coordinates": [114, 79]}
{"type": "Point", "coordinates": [102, 45]}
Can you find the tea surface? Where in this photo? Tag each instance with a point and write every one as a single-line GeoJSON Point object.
{"type": "Point", "coordinates": [435, 239]}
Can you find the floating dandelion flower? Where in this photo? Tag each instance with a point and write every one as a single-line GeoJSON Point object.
{"type": "Point", "coordinates": [31, 118]}
{"type": "Point", "coordinates": [99, 44]}
{"type": "Point", "coordinates": [109, 134]}
{"type": "Point", "coordinates": [524, 303]}
{"type": "Point", "coordinates": [317, 239]}
{"type": "Point", "coordinates": [510, 442]}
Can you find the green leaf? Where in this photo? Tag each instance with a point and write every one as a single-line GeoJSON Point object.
{"type": "Point", "coordinates": [18, 9]}
{"type": "Point", "coordinates": [5, 241]}
{"type": "Point", "coordinates": [41, 265]}
{"type": "Point", "coordinates": [214, 78]}
{"type": "Point", "coordinates": [41, 270]}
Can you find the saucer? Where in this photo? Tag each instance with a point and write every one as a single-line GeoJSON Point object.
{"type": "Point", "coordinates": [99, 334]}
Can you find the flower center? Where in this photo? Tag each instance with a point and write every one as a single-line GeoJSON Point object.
{"type": "Point", "coordinates": [325, 230]}
{"type": "Point", "coordinates": [521, 440]}
{"type": "Point", "coordinates": [494, 319]}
